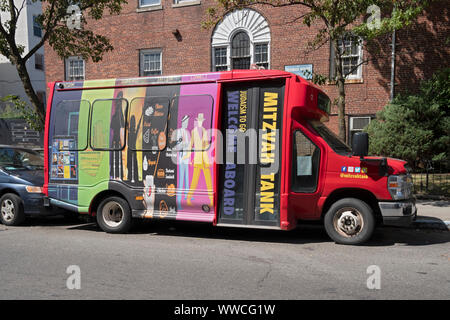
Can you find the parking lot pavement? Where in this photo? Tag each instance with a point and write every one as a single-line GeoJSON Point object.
{"type": "Point", "coordinates": [174, 260]}
{"type": "Point", "coordinates": [433, 214]}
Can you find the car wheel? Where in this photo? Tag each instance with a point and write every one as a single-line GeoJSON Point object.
{"type": "Point", "coordinates": [11, 210]}
{"type": "Point", "coordinates": [114, 215]}
{"type": "Point", "coordinates": [349, 221]}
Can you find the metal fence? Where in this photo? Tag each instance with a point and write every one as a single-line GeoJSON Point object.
{"type": "Point", "coordinates": [17, 132]}
{"type": "Point", "coordinates": [432, 179]}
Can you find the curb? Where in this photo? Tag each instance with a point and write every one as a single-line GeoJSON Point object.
{"type": "Point", "coordinates": [432, 224]}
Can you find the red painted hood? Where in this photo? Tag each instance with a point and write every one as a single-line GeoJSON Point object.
{"type": "Point", "coordinates": [397, 166]}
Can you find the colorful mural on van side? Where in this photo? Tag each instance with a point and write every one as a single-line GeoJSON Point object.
{"type": "Point", "coordinates": [152, 144]}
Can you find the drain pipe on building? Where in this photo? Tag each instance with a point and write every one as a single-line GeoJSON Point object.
{"type": "Point", "coordinates": [393, 55]}
{"type": "Point", "coordinates": [393, 45]}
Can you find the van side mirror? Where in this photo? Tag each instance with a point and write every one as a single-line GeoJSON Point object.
{"type": "Point", "coordinates": [360, 144]}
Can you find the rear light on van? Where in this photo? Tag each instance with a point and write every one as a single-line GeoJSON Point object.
{"type": "Point", "coordinates": [33, 189]}
{"type": "Point", "coordinates": [400, 186]}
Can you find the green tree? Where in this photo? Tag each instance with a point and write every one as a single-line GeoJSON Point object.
{"type": "Point", "coordinates": [340, 20]}
{"type": "Point", "coordinates": [57, 33]}
{"type": "Point", "coordinates": [16, 108]}
{"type": "Point", "coordinates": [415, 127]}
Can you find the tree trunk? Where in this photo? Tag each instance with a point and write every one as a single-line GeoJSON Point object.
{"type": "Point", "coordinates": [38, 106]}
{"type": "Point", "coordinates": [340, 83]}
{"type": "Point", "coordinates": [341, 109]}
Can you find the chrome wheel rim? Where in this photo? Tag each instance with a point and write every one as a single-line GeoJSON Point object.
{"type": "Point", "coordinates": [348, 222]}
{"type": "Point", "coordinates": [112, 214]}
{"type": "Point", "coordinates": [8, 210]}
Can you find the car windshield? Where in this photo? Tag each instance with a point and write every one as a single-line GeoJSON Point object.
{"type": "Point", "coordinates": [20, 159]}
{"type": "Point", "coordinates": [331, 139]}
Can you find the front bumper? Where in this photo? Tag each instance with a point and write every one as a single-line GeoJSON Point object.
{"type": "Point", "coordinates": [398, 213]}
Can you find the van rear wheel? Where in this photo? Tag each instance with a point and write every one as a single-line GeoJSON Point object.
{"type": "Point", "coordinates": [349, 221]}
{"type": "Point", "coordinates": [114, 215]}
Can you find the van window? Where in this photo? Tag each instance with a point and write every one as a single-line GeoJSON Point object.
{"type": "Point", "coordinates": [193, 124]}
{"type": "Point", "coordinates": [306, 159]}
{"type": "Point", "coordinates": [108, 124]}
{"type": "Point", "coordinates": [70, 123]}
{"type": "Point", "coordinates": [147, 123]}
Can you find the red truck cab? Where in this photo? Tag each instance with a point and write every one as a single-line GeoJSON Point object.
{"type": "Point", "coordinates": [350, 191]}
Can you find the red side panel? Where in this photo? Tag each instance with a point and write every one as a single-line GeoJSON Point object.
{"type": "Point", "coordinates": [51, 86]}
{"type": "Point", "coordinates": [286, 222]}
{"type": "Point", "coordinates": [218, 105]}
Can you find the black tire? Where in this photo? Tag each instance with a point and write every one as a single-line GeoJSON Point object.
{"type": "Point", "coordinates": [349, 221]}
{"type": "Point", "coordinates": [11, 210]}
{"type": "Point", "coordinates": [114, 215]}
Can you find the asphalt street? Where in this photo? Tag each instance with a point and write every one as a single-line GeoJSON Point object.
{"type": "Point", "coordinates": [170, 260]}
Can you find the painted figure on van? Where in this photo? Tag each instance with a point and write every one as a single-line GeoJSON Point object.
{"type": "Point", "coordinates": [184, 158]}
{"type": "Point", "coordinates": [149, 196]}
{"type": "Point", "coordinates": [133, 175]}
{"type": "Point", "coordinates": [201, 161]}
{"type": "Point", "coordinates": [117, 138]}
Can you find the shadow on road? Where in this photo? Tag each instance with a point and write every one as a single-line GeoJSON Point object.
{"type": "Point", "coordinates": [430, 222]}
{"type": "Point", "coordinates": [304, 234]}
{"type": "Point", "coordinates": [206, 231]}
{"type": "Point", "coordinates": [66, 220]}
{"type": "Point", "coordinates": [389, 236]}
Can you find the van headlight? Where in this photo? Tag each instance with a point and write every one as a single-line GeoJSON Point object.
{"type": "Point", "coordinates": [400, 186]}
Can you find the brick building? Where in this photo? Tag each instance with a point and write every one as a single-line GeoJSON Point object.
{"type": "Point", "coordinates": [153, 37]}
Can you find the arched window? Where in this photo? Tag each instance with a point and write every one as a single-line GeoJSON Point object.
{"type": "Point", "coordinates": [240, 40]}
{"type": "Point", "coordinates": [240, 51]}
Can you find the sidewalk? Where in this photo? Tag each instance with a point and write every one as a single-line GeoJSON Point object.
{"type": "Point", "coordinates": [433, 214]}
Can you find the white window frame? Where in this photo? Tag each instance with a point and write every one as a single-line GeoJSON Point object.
{"type": "Point", "coordinates": [247, 20]}
{"type": "Point", "coordinates": [215, 65]}
{"type": "Point", "coordinates": [351, 126]}
{"type": "Point", "coordinates": [68, 76]}
{"type": "Point", "coordinates": [148, 5]}
{"type": "Point", "coordinates": [252, 52]}
{"type": "Point", "coordinates": [358, 75]}
{"type": "Point", "coordinates": [268, 54]}
{"type": "Point", "coordinates": [143, 52]}
{"type": "Point", "coordinates": [186, 2]}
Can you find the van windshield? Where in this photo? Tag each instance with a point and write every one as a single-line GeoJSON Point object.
{"type": "Point", "coordinates": [331, 139]}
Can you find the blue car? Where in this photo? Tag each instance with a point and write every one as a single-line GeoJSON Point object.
{"type": "Point", "coordinates": [21, 181]}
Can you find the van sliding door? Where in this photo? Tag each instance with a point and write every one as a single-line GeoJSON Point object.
{"type": "Point", "coordinates": [249, 178]}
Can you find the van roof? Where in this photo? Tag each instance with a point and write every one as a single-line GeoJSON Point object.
{"type": "Point", "coordinates": [174, 79]}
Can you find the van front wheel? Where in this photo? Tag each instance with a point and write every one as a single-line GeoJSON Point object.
{"type": "Point", "coordinates": [114, 215]}
{"type": "Point", "coordinates": [349, 221]}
